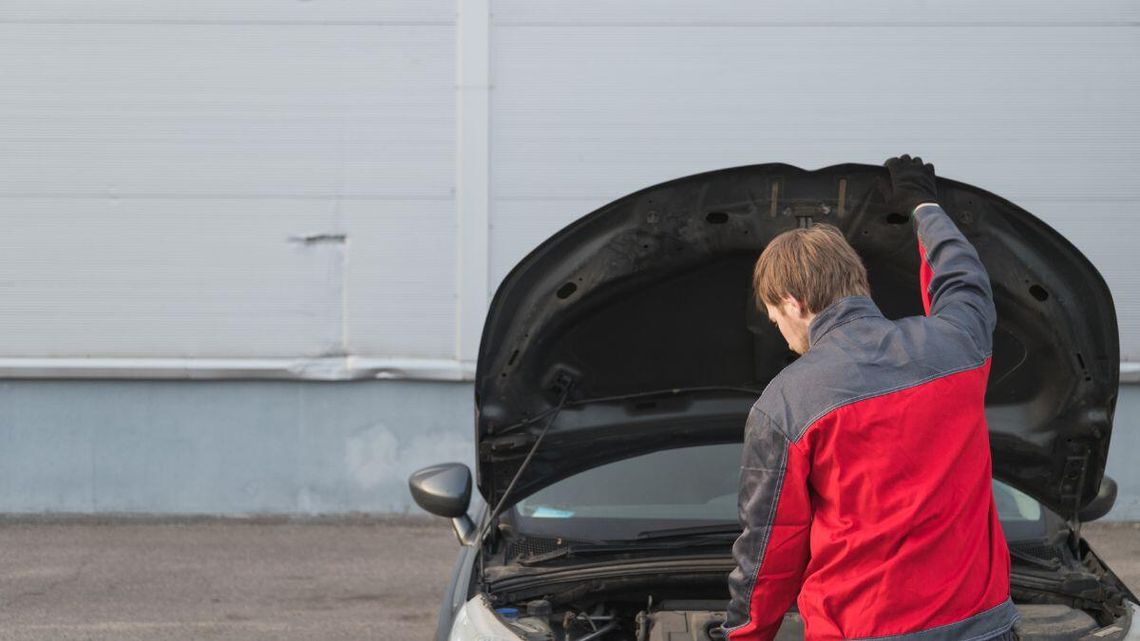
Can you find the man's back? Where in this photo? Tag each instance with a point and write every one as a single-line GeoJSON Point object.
{"type": "Point", "coordinates": [866, 482]}
{"type": "Point", "coordinates": [904, 534]}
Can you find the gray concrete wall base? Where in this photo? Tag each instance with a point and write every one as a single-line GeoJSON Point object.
{"type": "Point", "coordinates": [249, 447]}
{"type": "Point", "coordinates": [273, 447]}
{"type": "Point", "coordinates": [1122, 455]}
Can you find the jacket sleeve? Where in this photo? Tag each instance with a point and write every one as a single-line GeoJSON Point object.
{"type": "Point", "coordinates": [773, 549]}
{"type": "Point", "coordinates": [955, 286]}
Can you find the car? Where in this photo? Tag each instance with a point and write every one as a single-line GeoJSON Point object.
{"type": "Point", "coordinates": [620, 358]}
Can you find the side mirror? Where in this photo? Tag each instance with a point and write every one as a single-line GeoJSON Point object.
{"type": "Point", "coordinates": [445, 490]}
{"type": "Point", "coordinates": [1099, 506]}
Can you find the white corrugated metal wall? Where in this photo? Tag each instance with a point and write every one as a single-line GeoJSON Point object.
{"type": "Point", "coordinates": [330, 188]}
{"type": "Point", "coordinates": [1038, 102]}
{"type": "Point", "coordinates": [218, 188]}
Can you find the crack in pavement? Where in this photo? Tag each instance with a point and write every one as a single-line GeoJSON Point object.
{"type": "Point", "coordinates": [51, 586]}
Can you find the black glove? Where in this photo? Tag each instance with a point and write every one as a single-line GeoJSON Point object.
{"type": "Point", "coordinates": [912, 183]}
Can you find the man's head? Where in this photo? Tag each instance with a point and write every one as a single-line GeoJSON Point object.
{"type": "Point", "coordinates": [800, 273]}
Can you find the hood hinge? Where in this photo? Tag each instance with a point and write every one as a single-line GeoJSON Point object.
{"type": "Point", "coordinates": [1073, 484]}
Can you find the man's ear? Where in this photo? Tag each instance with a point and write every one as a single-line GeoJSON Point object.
{"type": "Point", "coordinates": [795, 305]}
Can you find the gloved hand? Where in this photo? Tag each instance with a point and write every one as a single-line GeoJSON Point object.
{"type": "Point", "coordinates": [912, 183]}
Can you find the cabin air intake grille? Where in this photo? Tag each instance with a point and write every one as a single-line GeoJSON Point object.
{"type": "Point", "coordinates": [529, 546]}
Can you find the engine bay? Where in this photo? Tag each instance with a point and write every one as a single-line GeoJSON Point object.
{"type": "Point", "coordinates": [1059, 586]}
{"type": "Point", "coordinates": [539, 620]}
{"type": "Point", "coordinates": [701, 620]}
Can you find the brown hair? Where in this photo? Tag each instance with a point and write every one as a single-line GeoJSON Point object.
{"type": "Point", "coordinates": [815, 265]}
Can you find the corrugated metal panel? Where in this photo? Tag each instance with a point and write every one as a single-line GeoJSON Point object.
{"type": "Point", "coordinates": [265, 120]}
{"type": "Point", "coordinates": [401, 285]}
{"type": "Point", "coordinates": [214, 180]}
{"type": "Point", "coordinates": [181, 278]}
{"type": "Point", "coordinates": [216, 11]}
{"type": "Point", "coordinates": [821, 13]}
{"type": "Point", "coordinates": [223, 110]}
{"type": "Point", "coordinates": [586, 109]}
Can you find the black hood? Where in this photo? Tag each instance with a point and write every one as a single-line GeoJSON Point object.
{"type": "Point", "coordinates": [639, 316]}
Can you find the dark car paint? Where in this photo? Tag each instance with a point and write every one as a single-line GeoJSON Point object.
{"type": "Point", "coordinates": [651, 294]}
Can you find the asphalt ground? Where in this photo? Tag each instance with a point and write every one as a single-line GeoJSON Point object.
{"type": "Point", "coordinates": [241, 581]}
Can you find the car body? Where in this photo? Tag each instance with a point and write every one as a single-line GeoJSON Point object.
{"type": "Point", "coordinates": [620, 358]}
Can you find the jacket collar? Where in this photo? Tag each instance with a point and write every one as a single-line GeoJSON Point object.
{"type": "Point", "coordinates": [839, 313]}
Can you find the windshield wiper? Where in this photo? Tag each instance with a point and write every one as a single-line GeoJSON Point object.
{"type": "Point", "coordinates": [718, 530]}
{"type": "Point", "coordinates": [598, 549]}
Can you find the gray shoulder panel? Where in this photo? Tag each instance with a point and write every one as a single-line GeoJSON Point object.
{"type": "Point", "coordinates": [859, 354]}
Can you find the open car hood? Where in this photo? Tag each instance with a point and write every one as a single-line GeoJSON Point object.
{"type": "Point", "coordinates": [639, 316]}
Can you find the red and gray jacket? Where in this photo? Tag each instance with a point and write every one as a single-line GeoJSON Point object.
{"type": "Point", "coordinates": [865, 483]}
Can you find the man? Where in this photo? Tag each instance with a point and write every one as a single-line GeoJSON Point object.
{"type": "Point", "coordinates": [865, 483]}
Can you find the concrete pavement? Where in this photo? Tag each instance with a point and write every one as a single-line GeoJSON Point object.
{"type": "Point", "coordinates": [1118, 544]}
{"type": "Point", "coordinates": [241, 581]}
{"type": "Point", "coordinates": [223, 580]}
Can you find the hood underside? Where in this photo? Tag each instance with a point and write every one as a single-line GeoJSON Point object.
{"type": "Point", "coordinates": [639, 318]}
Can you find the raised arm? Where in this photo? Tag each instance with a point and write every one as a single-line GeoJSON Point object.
{"type": "Point", "coordinates": [954, 283]}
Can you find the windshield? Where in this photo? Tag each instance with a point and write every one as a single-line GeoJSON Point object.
{"type": "Point", "coordinates": [685, 487]}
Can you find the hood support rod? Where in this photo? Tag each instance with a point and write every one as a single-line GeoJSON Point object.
{"type": "Point", "coordinates": [493, 514]}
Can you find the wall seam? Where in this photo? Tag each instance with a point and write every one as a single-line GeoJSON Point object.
{"type": "Point", "coordinates": [472, 159]}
